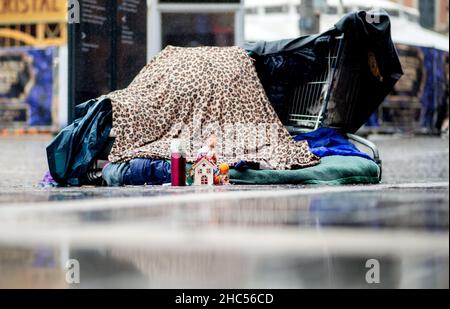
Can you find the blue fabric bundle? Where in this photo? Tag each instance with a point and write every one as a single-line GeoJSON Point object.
{"type": "Point", "coordinates": [137, 172]}
{"type": "Point", "coordinates": [326, 142]}
{"type": "Point", "coordinates": [146, 171]}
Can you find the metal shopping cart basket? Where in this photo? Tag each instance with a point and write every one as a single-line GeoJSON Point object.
{"type": "Point", "coordinates": [336, 79]}
{"type": "Point", "coordinates": [314, 103]}
{"type": "Point", "coordinates": [311, 104]}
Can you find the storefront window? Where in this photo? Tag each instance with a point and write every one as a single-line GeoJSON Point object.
{"type": "Point", "coordinates": [198, 29]}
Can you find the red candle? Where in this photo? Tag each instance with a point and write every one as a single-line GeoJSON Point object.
{"type": "Point", "coordinates": [178, 160]}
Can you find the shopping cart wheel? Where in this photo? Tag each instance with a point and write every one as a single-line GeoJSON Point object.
{"type": "Point", "coordinates": [372, 147]}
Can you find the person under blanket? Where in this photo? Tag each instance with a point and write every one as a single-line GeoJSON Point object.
{"type": "Point", "coordinates": [193, 93]}
{"type": "Point", "coordinates": [187, 94]}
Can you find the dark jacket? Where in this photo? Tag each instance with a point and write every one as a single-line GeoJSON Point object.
{"type": "Point", "coordinates": [76, 148]}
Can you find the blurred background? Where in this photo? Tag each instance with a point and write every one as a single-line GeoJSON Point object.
{"type": "Point", "coordinates": [49, 65]}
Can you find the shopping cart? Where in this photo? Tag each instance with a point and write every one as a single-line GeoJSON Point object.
{"type": "Point", "coordinates": [311, 105]}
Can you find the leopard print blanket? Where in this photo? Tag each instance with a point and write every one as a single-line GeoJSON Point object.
{"type": "Point", "coordinates": [193, 93]}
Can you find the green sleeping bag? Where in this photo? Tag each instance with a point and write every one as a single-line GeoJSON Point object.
{"type": "Point", "coordinates": [334, 170]}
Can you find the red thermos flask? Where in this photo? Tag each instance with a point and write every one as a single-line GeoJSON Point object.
{"type": "Point", "coordinates": [178, 160]}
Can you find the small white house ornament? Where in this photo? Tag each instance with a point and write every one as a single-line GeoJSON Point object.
{"type": "Point", "coordinates": [203, 173]}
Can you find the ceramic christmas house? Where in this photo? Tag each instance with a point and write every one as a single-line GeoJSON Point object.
{"type": "Point", "coordinates": [203, 172]}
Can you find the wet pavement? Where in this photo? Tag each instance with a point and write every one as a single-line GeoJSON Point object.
{"type": "Point", "coordinates": [405, 159]}
{"type": "Point", "coordinates": [236, 237]}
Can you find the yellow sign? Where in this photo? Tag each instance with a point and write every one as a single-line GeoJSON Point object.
{"type": "Point", "coordinates": [32, 11]}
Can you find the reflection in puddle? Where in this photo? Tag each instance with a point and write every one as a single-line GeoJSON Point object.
{"type": "Point", "coordinates": [239, 243]}
{"type": "Point", "coordinates": [31, 268]}
{"type": "Point", "coordinates": [397, 209]}
{"type": "Point", "coordinates": [139, 268]}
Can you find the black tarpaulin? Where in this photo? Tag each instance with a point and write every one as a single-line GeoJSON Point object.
{"type": "Point", "coordinates": [369, 68]}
